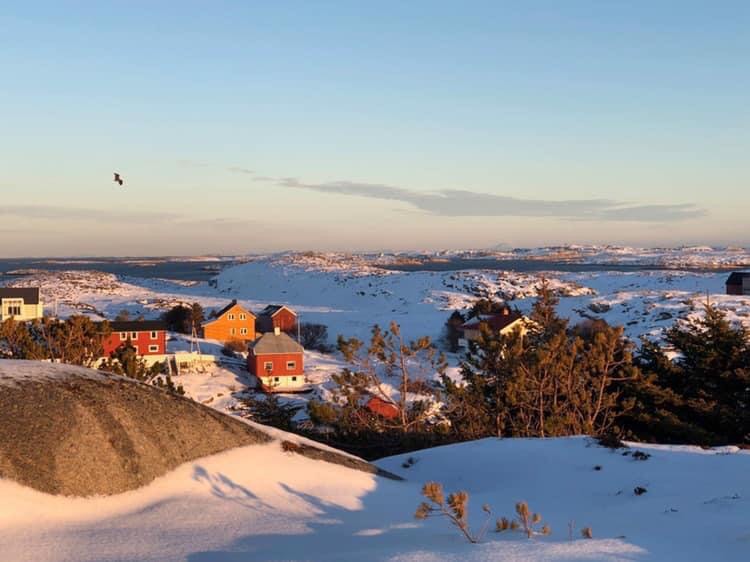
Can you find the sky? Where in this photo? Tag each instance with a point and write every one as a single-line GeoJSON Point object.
{"type": "Point", "coordinates": [244, 127]}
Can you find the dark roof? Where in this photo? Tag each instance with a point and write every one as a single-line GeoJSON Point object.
{"type": "Point", "coordinates": [495, 322]}
{"type": "Point", "coordinates": [30, 295]}
{"type": "Point", "coordinates": [275, 343]}
{"type": "Point", "coordinates": [272, 309]}
{"type": "Point", "coordinates": [736, 277]}
{"type": "Point", "coordinates": [138, 326]}
{"type": "Point", "coordinates": [226, 309]}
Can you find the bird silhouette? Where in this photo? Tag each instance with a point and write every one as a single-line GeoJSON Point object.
{"type": "Point", "coordinates": [118, 179]}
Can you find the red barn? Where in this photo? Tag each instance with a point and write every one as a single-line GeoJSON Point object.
{"type": "Point", "coordinates": [277, 316]}
{"type": "Point", "coordinates": [147, 337]}
{"type": "Point", "coordinates": [382, 408]}
{"type": "Point", "coordinates": [277, 361]}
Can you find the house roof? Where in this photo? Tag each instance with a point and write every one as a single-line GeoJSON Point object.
{"type": "Point", "coordinates": [273, 309]}
{"type": "Point", "coordinates": [495, 322]}
{"type": "Point", "coordinates": [736, 277]}
{"type": "Point", "coordinates": [30, 295]}
{"type": "Point", "coordinates": [138, 326]}
{"type": "Point", "coordinates": [226, 309]}
{"type": "Point", "coordinates": [270, 343]}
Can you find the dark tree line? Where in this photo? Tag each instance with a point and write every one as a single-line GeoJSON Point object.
{"type": "Point", "coordinates": [551, 380]}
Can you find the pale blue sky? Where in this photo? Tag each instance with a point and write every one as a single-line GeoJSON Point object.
{"type": "Point", "coordinates": [420, 124]}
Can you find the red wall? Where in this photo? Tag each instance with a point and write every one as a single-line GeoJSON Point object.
{"type": "Point", "coordinates": [255, 364]}
{"type": "Point", "coordinates": [113, 341]}
{"type": "Point", "coordinates": [734, 289]}
{"type": "Point", "coordinates": [285, 320]}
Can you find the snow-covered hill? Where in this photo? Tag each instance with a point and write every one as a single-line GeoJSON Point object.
{"type": "Point", "coordinates": [261, 503]}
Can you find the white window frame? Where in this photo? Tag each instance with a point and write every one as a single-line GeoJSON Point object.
{"type": "Point", "coordinates": [11, 305]}
{"type": "Point", "coordinates": [243, 331]}
{"type": "Point", "coordinates": [153, 348]}
{"type": "Point", "coordinates": [243, 316]}
{"type": "Point", "coordinates": [230, 316]}
{"type": "Point", "coordinates": [292, 367]}
{"type": "Point", "coordinates": [266, 364]}
{"type": "Point", "coordinates": [123, 336]}
{"type": "Point", "coordinates": [137, 351]}
{"type": "Point", "coordinates": [154, 335]}
{"type": "Point", "coordinates": [133, 335]}
{"type": "Point", "coordinates": [232, 331]}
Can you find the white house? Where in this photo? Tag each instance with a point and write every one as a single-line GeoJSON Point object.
{"type": "Point", "coordinates": [20, 303]}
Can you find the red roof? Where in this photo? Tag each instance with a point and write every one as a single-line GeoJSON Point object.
{"type": "Point", "coordinates": [382, 408]}
{"type": "Point", "coordinates": [495, 322]}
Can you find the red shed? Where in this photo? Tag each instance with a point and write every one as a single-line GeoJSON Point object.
{"type": "Point", "coordinates": [277, 316]}
{"type": "Point", "coordinates": [382, 408]}
{"type": "Point", "coordinates": [278, 362]}
{"type": "Point", "coordinates": [147, 337]}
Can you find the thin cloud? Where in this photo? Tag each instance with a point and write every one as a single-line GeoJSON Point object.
{"type": "Point", "coordinates": [239, 170]}
{"type": "Point", "coordinates": [465, 203]}
{"type": "Point", "coordinates": [52, 212]}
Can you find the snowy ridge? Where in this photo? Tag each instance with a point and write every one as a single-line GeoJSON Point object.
{"type": "Point", "coordinates": [260, 503]}
{"type": "Point", "coordinates": [14, 372]}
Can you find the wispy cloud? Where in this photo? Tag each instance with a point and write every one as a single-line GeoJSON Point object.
{"type": "Point", "coordinates": [239, 170]}
{"type": "Point", "coordinates": [465, 203]}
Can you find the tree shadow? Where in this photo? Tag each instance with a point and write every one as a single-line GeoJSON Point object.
{"type": "Point", "coordinates": [350, 530]}
{"type": "Point", "coordinates": [225, 488]}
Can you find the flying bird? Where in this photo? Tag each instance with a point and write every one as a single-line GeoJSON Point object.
{"type": "Point", "coordinates": [118, 179]}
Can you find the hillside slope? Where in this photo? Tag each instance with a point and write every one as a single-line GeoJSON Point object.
{"type": "Point", "coordinates": [73, 431]}
{"type": "Point", "coordinates": [261, 503]}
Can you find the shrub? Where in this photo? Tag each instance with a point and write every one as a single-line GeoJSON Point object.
{"type": "Point", "coordinates": [525, 521]}
{"type": "Point", "coordinates": [455, 508]}
{"type": "Point", "coordinates": [234, 346]}
{"type": "Point", "coordinates": [314, 336]}
{"type": "Point", "coordinates": [586, 533]}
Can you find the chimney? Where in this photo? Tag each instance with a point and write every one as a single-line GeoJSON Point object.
{"type": "Point", "coordinates": [276, 331]}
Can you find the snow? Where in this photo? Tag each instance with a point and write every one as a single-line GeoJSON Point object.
{"type": "Point", "coordinates": [14, 372]}
{"type": "Point", "coordinates": [260, 503]}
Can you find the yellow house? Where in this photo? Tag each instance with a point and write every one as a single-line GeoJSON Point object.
{"type": "Point", "coordinates": [503, 322]}
{"type": "Point", "coordinates": [20, 303]}
{"type": "Point", "coordinates": [233, 322]}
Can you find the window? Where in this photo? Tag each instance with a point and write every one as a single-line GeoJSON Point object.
{"type": "Point", "coordinates": [230, 317]}
{"type": "Point", "coordinates": [133, 335]}
{"type": "Point", "coordinates": [243, 331]}
{"type": "Point", "coordinates": [243, 317]}
{"type": "Point", "coordinates": [153, 348]}
{"type": "Point", "coordinates": [13, 307]}
{"type": "Point", "coordinates": [268, 367]}
{"type": "Point", "coordinates": [123, 336]}
{"type": "Point", "coordinates": [154, 335]}
{"type": "Point", "coordinates": [294, 379]}
{"type": "Point", "coordinates": [137, 351]}
{"type": "Point", "coordinates": [276, 379]}
{"type": "Point", "coordinates": [232, 331]}
{"type": "Point", "coordinates": [291, 365]}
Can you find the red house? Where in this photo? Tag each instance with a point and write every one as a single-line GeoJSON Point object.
{"type": "Point", "coordinates": [147, 337]}
{"type": "Point", "coordinates": [278, 362]}
{"type": "Point", "coordinates": [277, 316]}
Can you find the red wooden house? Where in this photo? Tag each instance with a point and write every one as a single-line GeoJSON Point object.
{"type": "Point", "coordinates": [278, 362]}
{"type": "Point", "coordinates": [147, 337]}
{"type": "Point", "coordinates": [277, 316]}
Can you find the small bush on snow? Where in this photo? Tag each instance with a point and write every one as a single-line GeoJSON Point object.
{"type": "Point", "coordinates": [525, 521]}
{"type": "Point", "coordinates": [455, 508]}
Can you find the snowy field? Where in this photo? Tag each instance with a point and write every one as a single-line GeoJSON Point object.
{"type": "Point", "coordinates": [351, 293]}
{"type": "Point", "coordinates": [260, 503]}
